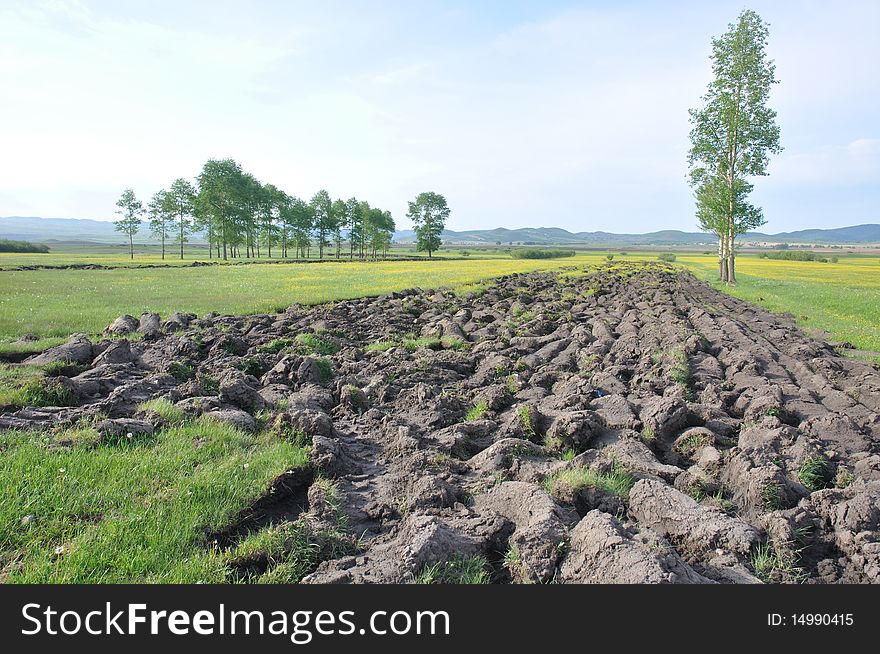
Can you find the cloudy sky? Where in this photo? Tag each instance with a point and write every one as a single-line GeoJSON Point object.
{"type": "Point", "coordinates": [569, 114]}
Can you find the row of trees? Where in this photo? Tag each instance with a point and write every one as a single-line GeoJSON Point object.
{"type": "Point", "coordinates": [733, 133]}
{"type": "Point", "coordinates": [240, 216]}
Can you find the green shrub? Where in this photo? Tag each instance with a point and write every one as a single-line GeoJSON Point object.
{"type": "Point", "coordinates": [22, 247]}
{"type": "Point", "coordinates": [535, 253]}
{"type": "Point", "coordinates": [666, 256]}
{"type": "Point", "coordinates": [794, 255]}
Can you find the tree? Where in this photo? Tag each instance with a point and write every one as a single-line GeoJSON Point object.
{"type": "Point", "coordinates": [322, 215]}
{"type": "Point", "coordinates": [379, 229]}
{"type": "Point", "coordinates": [303, 220]}
{"type": "Point", "coordinates": [272, 202]}
{"type": "Point", "coordinates": [180, 200]}
{"type": "Point", "coordinates": [355, 221]}
{"type": "Point", "coordinates": [339, 222]}
{"type": "Point", "coordinates": [130, 210]}
{"type": "Point", "coordinates": [732, 136]}
{"type": "Point", "coordinates": [160, 217]}
{"type": "Point", "coordinates": [428, 214]}
{"type": "Point", "coordinates": [221, 201]}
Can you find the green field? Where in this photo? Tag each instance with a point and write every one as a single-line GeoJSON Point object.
{"type": "Point", "coordinates": [78, 507]}
{"type": "Point", "coordinates": [841, 298]}
{"type": "Point", "coordinates": [112, 512]}
{"type": "Point", "coordinates": [148, 255]}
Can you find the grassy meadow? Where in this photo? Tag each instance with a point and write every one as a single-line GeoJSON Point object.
{"type": "Point", "coordinates": [98, 511]}
{"type": "Point", "coordinates": [841, 298]}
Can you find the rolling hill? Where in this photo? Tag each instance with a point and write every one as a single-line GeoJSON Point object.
{"type": "Point", "coordinates": [47, 230]}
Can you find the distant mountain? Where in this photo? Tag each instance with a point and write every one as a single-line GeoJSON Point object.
{"type": "Point", "coordinates": [46, 230]}
{"type": "Point", "coordinates": [841, 235]}
{"type": "Point", "coordinates": [857, 235]}
{"type": "Point", "coordinates": [64, 229]}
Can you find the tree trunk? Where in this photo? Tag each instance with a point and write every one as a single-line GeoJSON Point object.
{"type": "Point", "coordinates": [731, 259]}
{"type": "Point", "coordinates": [130, 247]}
{"type": "Point", "coordinates": [721, 257]}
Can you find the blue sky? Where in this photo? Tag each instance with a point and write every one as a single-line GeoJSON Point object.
{"type": "Point", "coordinates": [568, 114]}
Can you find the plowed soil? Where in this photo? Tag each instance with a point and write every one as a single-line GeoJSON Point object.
{"type": "Point", "coordinates": [619, 424]}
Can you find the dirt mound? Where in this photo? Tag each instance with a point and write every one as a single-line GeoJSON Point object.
{"type": "Point", "coordinates": [620, 424]}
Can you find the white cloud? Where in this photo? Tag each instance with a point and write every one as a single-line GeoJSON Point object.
{"type": "Point", "coordinates": [577, 118]}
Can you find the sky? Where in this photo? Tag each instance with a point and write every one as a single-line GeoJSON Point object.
{"type": "Point", "coordinates": [522, 114]}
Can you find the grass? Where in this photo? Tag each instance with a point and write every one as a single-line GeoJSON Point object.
{"type": "Point", "coordinates": [457, 570]}
{"type": "Point", "coordinates": [841, 298]}
{"type": "Point", "coordinates": [772, 563]}
{"type": "Point", "coordinates": [289, 551]}
{"type": "Point", "coordinates": [275, 346]}
{"type": "Point", "coordinates": [477, 411]}
{"type": "Point", "coordinates": [22, 386]}
{"type": "Point", "coordinates": [134, 514]}
{"type": "Point", "coordinates": [312, 344]}
{"type": "Point", "coordinates": [413, 343]}
{"type": "Point", "coordinates": [616, 482]}
{"type": "Point", "coordinates": [812, 473]}
{"type": "Point", "coordinates": [170, 413]}
{"type": "Point", "coordinates": [57, 303]}
{"type": "Point", "coordinates": [771, 497]}
{"type": "Point", "coordinates": [380, 346]}
{"type": "Point", "coordinates": [180, 371]}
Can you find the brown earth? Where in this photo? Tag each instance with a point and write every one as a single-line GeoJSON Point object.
{"type": "Point", "coordinates": [710, 404]}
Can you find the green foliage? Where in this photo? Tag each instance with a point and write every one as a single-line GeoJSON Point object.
{"type": "Point", "coordinates": [616, 482]}
{"type": "Point", "coordinates": [412, 343]}
{"type": "Point", "coordinates": [180, 371]}
{"type": "Point", "coordinates": [536, 253]}
{"type": "Point", "coordinates": [772, 563]}
{"type": "Point", "coordinates": [22, 386]}
{"type": "Point", "coordinates": [666, 256]}
{"type": "Point", "coordinates": [794, 255]}
{"type": "Point", "coordinates": [312, 344]}
{"type": "Point", "coordinates": [477, 411]}
{"type": "Point", "coordinates": [251, 366]}
{"type": "Point", "coordinates": [733, 133]}
{"type": "Point", "coordinates": [47, 392]}
{"type": "Point", "coordinates": [130, 212]}
{"type": "Point", "coordinates": [428, 213]}
{"type": "Point", "coordinates": [771, 497]}
{"type": "Point", "coordinates": [380, 346]}
{"type": "Point", "coordinates": [208, 383]}
{"type": "Point", "coordinates": [525, 420]}
{"type": "Point", "coordinates": [289, 551]}
{"type": "Point", "coordinates": [813, 473]}
{"type": "Point", "coordinates": [8, 245]}
{"type": "Point", "coordinates": [325, 366]}
{"type": "Point", "coordinates": [458, 570]}
{"type": "Point", "coordinates": [275, 346]}
{"type": "Point", "coordinates": [135, 514]}
{"type": "Point", "coordinates": [165, 409]}
{"type": "Point", "coordinates": [689, 445]}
